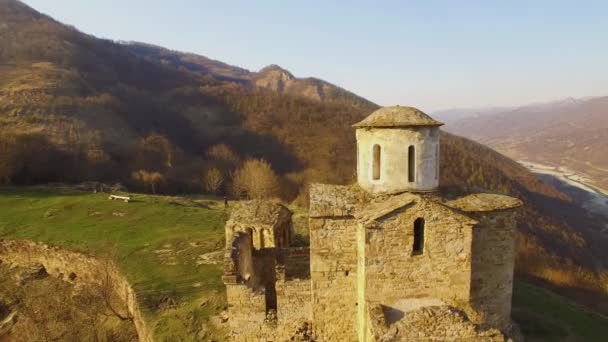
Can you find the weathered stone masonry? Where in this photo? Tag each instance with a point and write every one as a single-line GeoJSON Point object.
{"type": "Point", "coordinates": [392, 258]}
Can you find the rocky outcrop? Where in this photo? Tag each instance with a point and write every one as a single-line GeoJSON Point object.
{"type": "Point", "coordinates": [77, 268]}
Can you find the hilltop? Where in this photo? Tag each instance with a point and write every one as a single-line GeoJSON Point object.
{"type": "Point", "coordinates": [74, 107]}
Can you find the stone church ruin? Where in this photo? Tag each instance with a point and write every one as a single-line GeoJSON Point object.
{"type": "Point", "coordinates": [391, 258]}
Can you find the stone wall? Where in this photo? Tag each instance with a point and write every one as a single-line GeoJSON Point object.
{"type": "Point", "coordinates": [293, 288]}
{"type": "Point", "coordinates": [77, 267]}
{"type": "Point", "coordinates": [294, 304]}
{"type": "Point", "coordinates": [250, 321]}
{"type": "Point", "coordinates": [247, 312]}
{"type": "Point", "coordinates": [492, 268]}
{"type": "Point", "coordinates": [296, 261]}
{"type": "Point", "coordinates": [394, 145]}
{"type": "Point", "coordinates": [394, 274]}
{"type": "Point", "coordinates": [333, 266]}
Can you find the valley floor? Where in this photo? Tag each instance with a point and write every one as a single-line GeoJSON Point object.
{"type": "Point", "coordinates": [594, 198]}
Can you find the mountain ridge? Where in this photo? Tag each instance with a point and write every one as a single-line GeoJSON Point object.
{"type": "Point", "coordinates": [567, 133]}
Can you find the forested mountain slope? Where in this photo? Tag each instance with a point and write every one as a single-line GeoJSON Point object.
{"type": "Point", "coordinates": [74, 107]}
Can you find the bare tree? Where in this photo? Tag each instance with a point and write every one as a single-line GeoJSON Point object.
{"type": "Point", "coordinates": [148, 178]}
{"type": "Point", "coordinates": [255, 179]}
{"type": "Point", "coordinates": [213, 180]}
{"type": "Point", "coordinates": [224, 154]}
{"type": "Point", "coordinates": [160, 144]}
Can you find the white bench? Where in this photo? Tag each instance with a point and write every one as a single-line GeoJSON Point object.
{"type": "Point", "coordinates": [123, 198]}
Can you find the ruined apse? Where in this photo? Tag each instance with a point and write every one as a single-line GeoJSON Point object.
{"type": "Point", "coordinates": [391, 258]}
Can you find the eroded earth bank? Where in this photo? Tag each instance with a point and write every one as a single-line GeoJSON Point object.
{"type": "Point", "coordinates": [50, 294]}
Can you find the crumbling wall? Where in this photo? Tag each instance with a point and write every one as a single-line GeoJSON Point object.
{"type": "Point", "coordinates": [250, 321]}
{"type": "Point", "coordinates": [442, 271]}
{"type": "Point", "coordinates": [492, 268]}
{"type": "Point", "coordinates": [247, 314]}
{"type": "Point", "coordinates": [268, 223]}
{"type": "Point", "coordinates": [77, 267]}
{"type": "Point", "coordinates": [293, 288]}
{"type": "Point", "coordinates": [296, 261]}
{"type": "Point", "coordinates": [242, 254]}
{"type": "Point", "coordinates": [434, 323]}
{"type": "Point", "coordinates": [333, 258]}
{"type": "Point", "coordinates": [294, 304]}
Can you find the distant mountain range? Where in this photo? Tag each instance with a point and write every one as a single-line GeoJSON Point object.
{"type": "Point", "coordinates": [571, 133]}
{"type": "Point", "coordinates": [74, 107]}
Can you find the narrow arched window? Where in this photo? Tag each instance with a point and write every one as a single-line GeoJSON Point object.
{"type": "Point", "coordinates": [437, 162]}
{"type": "Point", "coordinates": [418, 247]}
{"type": "Point", "coordinates": [411, 164]}
{"type": "Point", "coordinates": [376, 166]}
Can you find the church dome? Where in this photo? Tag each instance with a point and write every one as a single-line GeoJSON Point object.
{"type": "Point", "coordinates": [397, 116]}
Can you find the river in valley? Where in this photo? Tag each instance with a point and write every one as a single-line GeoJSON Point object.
{"type": "Point", "coordinates": [592, 198]}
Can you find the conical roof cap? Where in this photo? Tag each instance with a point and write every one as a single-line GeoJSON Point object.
{"type": "Point", "coordinates": [397, 116]}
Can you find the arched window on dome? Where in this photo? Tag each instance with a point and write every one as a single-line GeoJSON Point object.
{"type": "Point", "coordinates": [411, 164]}
{"type": "Point", "coordinates": [437, 161]}
{"type": "Point", "coordinates": [377, 160]}
{"type": "Point", "coordinates": [418, 247]}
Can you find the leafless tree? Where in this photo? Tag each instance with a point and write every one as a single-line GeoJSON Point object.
{"type": "Point", "coordinates": [255, 179]}
{"type": "Point", "coordinates": [148, 178]}
{"type": "Point", "coordinates": [223, 154]}
{"type": "Point", "coordinates": [160, 144]}
{"type": "Point", "coordinates": [213, 180]}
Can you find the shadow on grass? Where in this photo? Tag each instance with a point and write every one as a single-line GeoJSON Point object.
{"type": "Point", "coordinates": [544, 315]}
{"type": "Point", "coordinates": [40, 191]}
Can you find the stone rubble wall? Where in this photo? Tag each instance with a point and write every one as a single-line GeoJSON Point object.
{"type": "Point", "coordinates": [434, 323]}
{"type": "Point", "coordinates": [294, 305]}
{"type": "Point", "coordinates": [248, 303]}
{"type": "Point", "coordinates": [297, 262]}
{"type": "Point", "coordinates": [333, 266]}
{"type": "Point", "coordinates": [247, 311]}
{"type": "Point", "coordinates": [492, 268]}
{"type": "Point", "coordinates": [87, 270]}
{"type": "Point", "coordinates": [249, 321]}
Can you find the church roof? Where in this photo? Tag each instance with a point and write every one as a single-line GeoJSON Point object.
{"type": "Point", "coordinates": [259, 212]}
{"type": "Point", "coordinates": [397, 116]}
{"type": "Point", "coordinates": [484, 202]}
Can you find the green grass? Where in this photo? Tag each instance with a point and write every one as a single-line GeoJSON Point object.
{"type": "Point", "coordinates": [134, 234]}
{"type": "Point", "coordinates": [545, 316]}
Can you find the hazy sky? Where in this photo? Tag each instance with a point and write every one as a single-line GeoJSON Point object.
{"type": "Point", "coordinates": [429, 54]}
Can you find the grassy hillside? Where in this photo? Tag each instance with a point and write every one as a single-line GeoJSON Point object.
{"type": "Point", "coordinates": [546, 316]}
{"type": "Point", "coordinates": [158, 242]}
